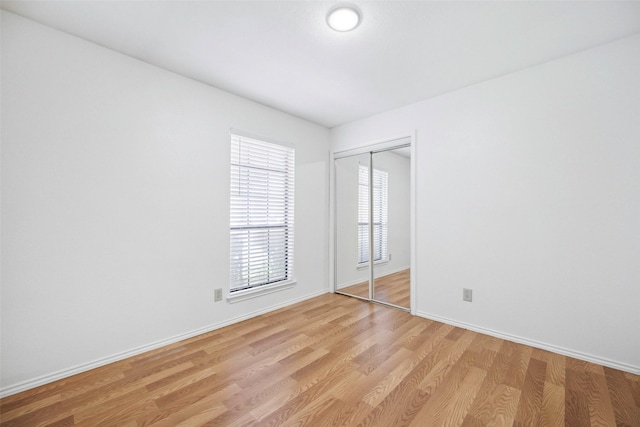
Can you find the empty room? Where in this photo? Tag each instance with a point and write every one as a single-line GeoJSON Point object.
{"type": "Point", "coordinates": [371, 213]}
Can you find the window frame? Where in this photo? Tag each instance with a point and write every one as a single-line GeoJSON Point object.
{"type": "Point", "coordinates": [262, 203]}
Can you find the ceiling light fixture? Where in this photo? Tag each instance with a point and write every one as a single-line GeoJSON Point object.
{"type": "Point", "coordinates": [343, 18]}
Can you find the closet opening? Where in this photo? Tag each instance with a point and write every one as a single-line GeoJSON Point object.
{"type": "Point", "coordinates": [373, 219]}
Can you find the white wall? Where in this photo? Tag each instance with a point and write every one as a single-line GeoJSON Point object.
{"type": "Point", "coordinates": [115, 182]}
{"type": "Point", "coordinates": [398, 241]}
{"type": "Point", "coordinates": [528, 192]}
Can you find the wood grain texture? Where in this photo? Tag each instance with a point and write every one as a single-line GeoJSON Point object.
{"type": "Point", "coordinates": [392, 288]}
{"type": "Point", "coordinates": [336, 361]}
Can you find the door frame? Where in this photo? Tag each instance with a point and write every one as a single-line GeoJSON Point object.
{"type": "Point", "coordinates": [379, 145]}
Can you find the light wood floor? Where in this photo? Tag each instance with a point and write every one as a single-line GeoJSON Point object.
{"type": "Point", "coordinates": [392, 288]}
{"type": "Point", "coordinates": [334, 360]}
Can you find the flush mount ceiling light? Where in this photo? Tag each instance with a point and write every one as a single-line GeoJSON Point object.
{"type": "Point", "coordinates": [343, 18]}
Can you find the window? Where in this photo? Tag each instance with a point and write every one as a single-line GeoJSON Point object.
{"type": "Point", "coordinates": [261, 226]}
{"type": "Point", "coordinates": [380, 221]}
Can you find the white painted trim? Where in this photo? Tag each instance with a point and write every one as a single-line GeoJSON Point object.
{"type": "Point", "coordinates": [78, 369]}
{"type": "Point", "coordinates": [533, 343]}
{"type": "Point", "coordinates": [333, 229]}
{"type": "Point", "coordinates": [413, 274]}
{"type": "Point", "coordinates": [256, 292]}
{"type": "Point", "coordinates": [382, 144]}
{"type": "Point", "coordinates": [330, 221]}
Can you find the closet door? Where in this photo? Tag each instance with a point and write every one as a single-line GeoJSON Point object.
{"type": "Point", "coordinates": [391, 226]}
{"type": "Point", "coordinates": [352, 273]}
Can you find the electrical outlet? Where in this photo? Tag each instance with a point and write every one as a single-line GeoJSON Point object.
{"type": "Point", "coordinates": [467, 295]}
{"type": "Point", "coordinates": [217, 295]}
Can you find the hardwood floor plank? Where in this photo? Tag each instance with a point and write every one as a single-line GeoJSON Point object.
{"type": "Point", "coordinates": [430, 327]}
{"type": "Point", "coordinates": [329, 369]}
{"type": "Point", "coordinates": [272, 341]}
{"type": "Point", "coordinates": [280, 386]}
{"type": "Point", "coordinates": [455, 413]}
{"type": "Point", "coordinates": [115, 411]}
{"type": "Point", "coordinates": [515, 375]}
{"type": "Point", "coordinates": [349, 415]}
{"type": "Point", "coordinates": [635, 390]}
{"type": "Point", "coordinates": [15, 411]}
{"type": "Point", "coordinates": [621, 398]}
{"type": "Point", "coordinates": [441, 402]}
{"type": "Point", "coordinates": [584, 366]}
{"type": "Point", "coordinates": [205, 409]}
{"type": "Point", "coordinates": [453, 397]}
{"type": "Point", "coordinates": [447, 360]}
{"type": "Point", "coordinates": [335, 410]}
{"type": "Point", "coordinates": [600, 408]}
{"type": "Point", "coordinates": [483, 343]}
{"type": "Point", "coordinates": [231, 419]}
{"type": "Point", "coordinates": [105, 393]}
{"type": "Point", "coordinates": [405, 393]}
{"type": "Point", "coordinates": [552, 408]}
{"type": "Point", "coordinates": [576, 409]}
{"type": "Point", "coordinates": [556, 367]}
{"type": "Point", "coordinates": [405, 400]}
{"type": "Point", "coordinates": [384, 387]}
{"type": "Point", "coordinates": [186, 394]}
{"type": "Point", "coordinates": [310, 413]}
{"type": "Point", "coordinates": [195, 415]}
{"type": "Point", "coordinates": [66, 387]}
{"type": "Point", "coordinates": [157, 356]}
{"type": "Point", "coordinates": [336, 361]}
{"type": "Point", "coordinates": [531, 397]}
{"type": "Point", "coordinates": [496, 402]}
{"type": "Point", "coordinates": [369, 381]}
{"type": "Point", "coordinates": [65, 422]}
{"type": "Point", "coordinates": [38, 417]}
{"type": "Point", "coordinates": [400, 407]}
{"type": "Point", "coordinates": [309, 398]}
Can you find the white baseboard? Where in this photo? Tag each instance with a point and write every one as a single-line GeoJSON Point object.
{"type": "Point", "coordinates": [543, 346]}
{"type": "Point", "coordinates": [64, 373]}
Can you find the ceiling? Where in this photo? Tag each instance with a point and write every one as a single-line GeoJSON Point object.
{"type": "Point", "coordinates": [282, 53]}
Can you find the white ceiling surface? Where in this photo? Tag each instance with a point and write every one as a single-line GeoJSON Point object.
{"type": "Point", "coordinates": [282, 53]}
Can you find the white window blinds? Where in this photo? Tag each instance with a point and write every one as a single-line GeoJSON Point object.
{"type": "Point", "coordinates": [261, 226]}
{"type": "Point", "coordinates": [380, 216]}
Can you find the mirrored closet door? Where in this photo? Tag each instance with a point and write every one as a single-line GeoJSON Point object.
{"type": "Point", "coordinates": [351, 226]}
{"type": "Point", "coordinates": [391, 226]}
{"type": "Point", "coordinates": [372, 223]}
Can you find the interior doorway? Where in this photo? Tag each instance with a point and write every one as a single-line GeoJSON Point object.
{"type": "Point", "coordinates": [373, 223]}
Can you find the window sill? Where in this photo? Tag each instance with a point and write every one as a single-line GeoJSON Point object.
{"type": "Point", "coordinates": [244, 295]}
{"type": "Point", "coordinates": [365, 265]}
